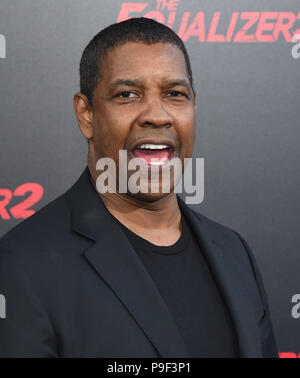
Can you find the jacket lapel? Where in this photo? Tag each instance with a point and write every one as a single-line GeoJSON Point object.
{"type": "Point", "coordinates": [230, 281]}
{"type": "Point", "coordinates": [117, 263]}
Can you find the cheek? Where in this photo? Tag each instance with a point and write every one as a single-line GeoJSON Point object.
{"type": "Point", "coordinates": [187, 131]}
{"type": "Point", "coordinates": [110, 134]}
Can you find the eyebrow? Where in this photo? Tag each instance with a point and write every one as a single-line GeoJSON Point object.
{"type": "Point", "coordinates": [177, 83]}
{"type": "Point", "coordinates": [127, 82]}
{"type": "Point", "coordinates": [139, 83]}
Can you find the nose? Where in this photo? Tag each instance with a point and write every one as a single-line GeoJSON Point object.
{"type": "Point", "coordinates": [154, 114]}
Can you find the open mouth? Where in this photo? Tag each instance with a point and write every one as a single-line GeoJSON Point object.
{"type": "Point", "coordinates": [154, 154]}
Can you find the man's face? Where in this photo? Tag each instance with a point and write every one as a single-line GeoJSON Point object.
{"type": "Point", "coordinates": [144, 97]}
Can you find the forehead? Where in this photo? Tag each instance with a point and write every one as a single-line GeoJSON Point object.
{"type": "Point", "coordinates": [144, 61]}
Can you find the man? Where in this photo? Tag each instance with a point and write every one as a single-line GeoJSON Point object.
{"type": "Point", "coordinates": [131, 274]}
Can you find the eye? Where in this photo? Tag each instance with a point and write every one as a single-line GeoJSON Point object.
{"type": "Point", "coordinates": [126, 94]}
{"type": "Point", "coordinates": [176, 94]}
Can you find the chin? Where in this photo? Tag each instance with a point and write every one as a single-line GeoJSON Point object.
{"type": "Point", "coordinates": [149, 197]}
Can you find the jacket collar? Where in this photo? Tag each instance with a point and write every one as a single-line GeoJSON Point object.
{"type": "Point", "coordinates": [118, 264]}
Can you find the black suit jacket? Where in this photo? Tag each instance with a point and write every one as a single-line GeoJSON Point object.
{"type": "Point", "coordinates": [75, 287]}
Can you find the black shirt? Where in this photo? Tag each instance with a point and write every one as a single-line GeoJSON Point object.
{"type": "Point", "coordinates": [190, 292]}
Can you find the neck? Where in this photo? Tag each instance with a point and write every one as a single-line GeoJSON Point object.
{"type": "Point", "coordinates": [158, 221]}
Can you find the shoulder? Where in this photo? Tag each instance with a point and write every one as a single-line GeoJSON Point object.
{"type": "Point", "coordinates": [215, 229]}
{"type": "Point", "coordinates": [234, 243]}
{"type": "Point", "coordinates": [42, 230]}
{"type": "Point", "coordinates": [236, 247]}
{"type": "Point", "coordinates": [36, 255]}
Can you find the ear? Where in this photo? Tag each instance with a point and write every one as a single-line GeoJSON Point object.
{"type": "Point", "coordinates": [195, 101]}
{"type": "Point", "coordinates": [84, 115]}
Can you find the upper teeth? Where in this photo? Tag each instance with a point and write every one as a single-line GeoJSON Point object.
{"type": "Point", "coordinates": [153, 146]}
